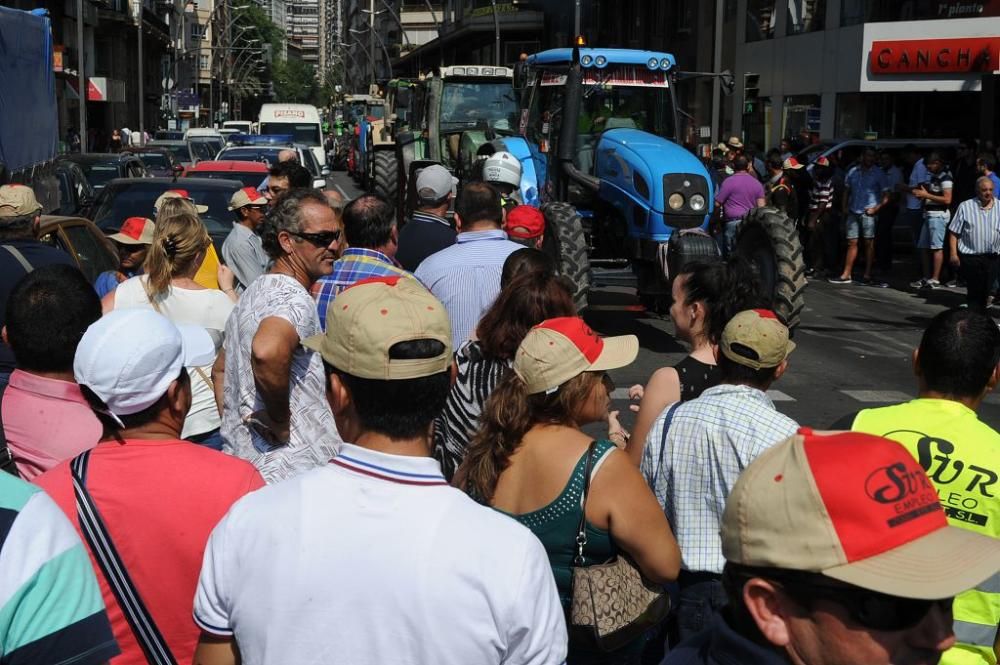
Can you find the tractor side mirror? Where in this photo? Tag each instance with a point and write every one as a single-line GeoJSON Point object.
{"type": "Point", "coordinates": [520, 76]}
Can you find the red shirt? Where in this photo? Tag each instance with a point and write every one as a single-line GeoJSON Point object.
{"type": "Point", "coordinates": [160, 500]}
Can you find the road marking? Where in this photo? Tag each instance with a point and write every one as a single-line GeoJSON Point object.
{"type": "Point", "coordinates": [778, 396]}
{"type": "Point", "coordinates": [342, 192]}
{"type": "Point", "coordinates": [883, 396]}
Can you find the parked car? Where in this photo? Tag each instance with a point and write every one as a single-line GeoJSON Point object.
{"type": "Point", "coordinates": [76, 193]}
{"type": "Point", "coordinates": [99, 167]}
{"type": "Point", "coordinates": [160, 162]}
{"type": "Point", "coordinates": [81, 239]}
{"type": "Point", "coordinates": [269, 154]}
{"type": "Point", "coordinates": [168, 135]}
{"type": "Point", "coordinates": [251, 174]}
{"type": "Point", "coordinates": [126, 198]}
{"type": "Point", "coordinates": [188, 152]}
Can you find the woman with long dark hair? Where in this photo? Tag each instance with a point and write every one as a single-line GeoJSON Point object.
{"type": "Point", "coordinates": [706, 296]}
{"type": "Point", "coordinates": [529, 456]}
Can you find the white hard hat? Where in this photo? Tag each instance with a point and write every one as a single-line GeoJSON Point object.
{"type": "Point", "coordinates": [502, 167]}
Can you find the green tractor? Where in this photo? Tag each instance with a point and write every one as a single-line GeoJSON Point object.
{"type": "Point", "coordinates": [383, 166]}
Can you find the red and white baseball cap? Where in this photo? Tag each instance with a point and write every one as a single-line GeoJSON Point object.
{"type": "Point", "coordinates": [525, 222]}
{"type": "Point", "coordinates": [822, 161]}
{"type": "Point", "coordinates": [135, 231]}
{"type": "Point", "coordinates": [791, 164]}
{"type": "Point", "coordinates": [248, 196]}
{"type": "Point", "coordinates": [178, 194]}
{"type": "Point", "coordinates": [857, 508]}
{"type": "Point", "coordinates": [556, 350]}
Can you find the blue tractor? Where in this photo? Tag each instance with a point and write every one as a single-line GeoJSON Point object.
{"type": "Point", "coordinates": [597, 140]}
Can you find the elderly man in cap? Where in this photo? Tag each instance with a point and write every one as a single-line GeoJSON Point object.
{"type": "Point", "coordinates": [242, 250]}
{"type": "Point", "coordinates": [20, 252]}
{"type": "Point", "coordinates": [143, 498]}
{"type": "Point", "coordinates": [696, 450]}
{"type": "Point", "coordinates": [308, 570]}
{"type": "Point", "coordinates": [428, 231]}
{"type": "Point", "coordinates": [837, 552]}
{"type": "Point", "coordinates": [132, 242]}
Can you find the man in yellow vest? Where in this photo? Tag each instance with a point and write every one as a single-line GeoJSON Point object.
{"type": "Point", "coordinates": [956, 367]}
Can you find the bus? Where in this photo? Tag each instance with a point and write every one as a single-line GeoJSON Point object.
{"type": "Point", "coordinates": [300, 120]}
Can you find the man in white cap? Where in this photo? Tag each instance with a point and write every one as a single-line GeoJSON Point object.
{"type": "Point", "coordinates": [242, 251]}
{"type": "Point", "coordinates": [374, 557]}
{"type": "Point", "coordinates": [132, 242]}
{"type": "Point", "coordinates": [157, 496]}
{"type": "Point", "coordinates": [837, 552]}
{"type": "Point", "coordinates": [20, 252]}
{"type": "Point", "coordinates": [696, 450]}
{"type": "Point", "coordinates": [428, 230]}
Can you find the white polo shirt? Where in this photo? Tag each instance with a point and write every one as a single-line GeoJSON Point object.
{"type": "Point", "coordinates": [374, 558]}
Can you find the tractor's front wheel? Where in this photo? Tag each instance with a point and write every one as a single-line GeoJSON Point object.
{"type": "Point", "coordinates": [769, 241]}
{"type": "Point", "coordinates": [566, 242]}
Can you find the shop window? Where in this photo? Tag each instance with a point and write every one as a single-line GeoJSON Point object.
{"type": "Point", "coordinates": [806, 16]}
{"type": "Point", "coordinates": [761, 15]}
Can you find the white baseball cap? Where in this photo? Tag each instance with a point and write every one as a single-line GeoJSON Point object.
{"type": "Point", "coordinates": [130, 357]}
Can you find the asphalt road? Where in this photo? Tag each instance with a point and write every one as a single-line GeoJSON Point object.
{"type": "Point", "coordinates": [854, 347]}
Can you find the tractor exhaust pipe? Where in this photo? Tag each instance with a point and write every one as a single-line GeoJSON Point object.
{"type": "Point", "coordinates": [568, 131]}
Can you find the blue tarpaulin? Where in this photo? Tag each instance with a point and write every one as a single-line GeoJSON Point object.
{"type": "Point", "coordinates": [29, 126]}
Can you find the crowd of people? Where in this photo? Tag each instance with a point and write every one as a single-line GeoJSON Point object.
{"type": "Point", "coordinates": [846, 211]}
{"type": "Point", "coordinates": [375, 444]}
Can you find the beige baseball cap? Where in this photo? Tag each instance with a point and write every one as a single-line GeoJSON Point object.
{"type": "Point", "coordinates": [18, 201]}
{"type": "Point", "coordinates": [857, 508]}
{"type": "Point", "coordinates": [369, 317]}
{"type": "Point", "coordinates": [756, 338]}
{"type": "Point", "coordinates": [135, 231]}
{"type": "Point", "coordinates": [178, 194]}
{"type": "Point", "coordinates": [248, 196]}
{"type": "Point", "coordinates": [556, 350]}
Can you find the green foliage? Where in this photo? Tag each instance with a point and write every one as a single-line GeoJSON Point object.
{"type": "Point", "coordinates": [266, 31]}
{"type": "Point", "coordinates": [294, 82]}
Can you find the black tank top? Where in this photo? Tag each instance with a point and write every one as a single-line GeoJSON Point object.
{"type": "Point", "coordinates": [695, 376]}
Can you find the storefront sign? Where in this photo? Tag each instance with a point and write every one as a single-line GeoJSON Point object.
{"type": "Point", "coordinates": [935, 56]}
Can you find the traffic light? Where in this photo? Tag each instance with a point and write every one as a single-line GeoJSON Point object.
{"type": "Point", "coordinates": [751, 87]}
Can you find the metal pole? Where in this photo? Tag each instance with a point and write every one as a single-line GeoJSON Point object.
{"type": "Point", "coordinates": [716, 66]}
{"type": "Point", "coordinates": [81, 76]}
{"type": "Point", "coordinates": [142, 94]}
{"type": "Point", "coordinates": [496, 29]}
{"type": "Point", "coordinates": [371, 39]}
{"type": "Point", "coordinates": [576, 21]}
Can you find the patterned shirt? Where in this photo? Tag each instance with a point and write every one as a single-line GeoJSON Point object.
{"type": "Point", "coordinates": [866, 187]}
{"type": "Point", "coordinates": [710, 441]}
{"type": "Point", "coordinates": [977, 228]}
{"type": "Point", "coordinates": [314, 438]}
{"type": "Point", "coordinates": [466, 277]}
{"type": "Point", "coordinates": [821, 194]}
{"type": "Point", "coordinates": [354, 265]}
{"type": "Point", "coordinates": [50, 602]}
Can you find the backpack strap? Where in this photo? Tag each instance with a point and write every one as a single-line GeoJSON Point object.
{"type": "Point", "coordinates": [19, 257]}
{"type": "Point", "coordinates": [113, 568]}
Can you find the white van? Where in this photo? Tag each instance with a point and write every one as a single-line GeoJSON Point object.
{"type": "Point", "coordinates": [241, 126]}
{"type": "Point", "coordinates": [301, 121]}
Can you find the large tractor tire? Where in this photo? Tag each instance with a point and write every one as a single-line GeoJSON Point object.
{"type": "Point", "coordinates": [768, 239]}
{"type": "Point", "coordinates": [385, 182]}
{"type": "Point", "coordinates": [567, 244]}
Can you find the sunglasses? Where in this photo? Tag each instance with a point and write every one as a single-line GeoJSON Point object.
{"type": "Point", "coordinates": [871, 609]}
{"type": "Point", "coordinates": [324, 239]}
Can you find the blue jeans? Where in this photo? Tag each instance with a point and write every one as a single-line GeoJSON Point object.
{"type": "Point", "coordinates": [4, 379]}
{"type": "Point", "coordinates": [211, 439]}
{"type": "Point", "coordinates": [729, 236]}
{"type": "Point", "coordinates": [701, 597]}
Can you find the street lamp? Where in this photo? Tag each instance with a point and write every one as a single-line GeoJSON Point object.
{"type": "Point", "coordinates": [137, 6]}
{"type": "Point", "coordinates": [385, 51]}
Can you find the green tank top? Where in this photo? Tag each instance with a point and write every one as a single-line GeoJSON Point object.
{"type": "Point", "coordinates": [556, 526]}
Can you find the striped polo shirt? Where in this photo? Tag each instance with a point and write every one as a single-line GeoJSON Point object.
{"type": "Point", "coordinates": [821, 194]}
{"type": "Point", "coordinates": [977, 228]}
{"type": "Point", "coordinates": [51, 609]}
{"type": "Point", "coordinates": [466, 277]}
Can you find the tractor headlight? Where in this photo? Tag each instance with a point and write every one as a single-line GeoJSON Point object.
{"type": "Point", "coordinates": [472, 71]}
{"type": "Point", "coordinates": [600, 61]}
{"type": "Point", "coordinates": [676, 201]}
{"type": "Point", "coordinates": [697, 203]}
{"type": "Point", "coordinates": [458, 71]}
{"type": "Point", "coordinates": [653, 63]}
{"type": "Point", "coordinates": [665, 63]}
{"type": "Point", "coordinates": [587, 60]}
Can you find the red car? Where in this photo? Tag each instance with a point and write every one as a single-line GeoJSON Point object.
{"type": "Point", "coordinates": [251, 174]}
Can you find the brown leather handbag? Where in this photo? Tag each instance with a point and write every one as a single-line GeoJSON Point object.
{"type": "Point", "coordinates": [612, 602]}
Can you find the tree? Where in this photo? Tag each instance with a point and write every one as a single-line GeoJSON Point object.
{"type": "Point", "coordinates": [294, 82]}
{"type": "Point", "coordinates": [333, 77]}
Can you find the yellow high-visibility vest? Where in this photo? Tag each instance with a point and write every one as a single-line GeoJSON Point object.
{"type": "Point", "coordinates": [961, 455]}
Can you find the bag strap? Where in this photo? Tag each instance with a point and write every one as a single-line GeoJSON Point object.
{"type": "Point", "coordinates": [666, 428]}
{"type": "Point", "coordinates": [110, 562]}
{"type": "Point", "coordinates": [19, 257]}
{"type": "Point", "coordinates": [581, 531]}
{"type": "Point", "coordinates": [6, 457]}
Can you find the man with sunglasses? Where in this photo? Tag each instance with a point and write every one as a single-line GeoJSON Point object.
{"type": "Point", "coordinates": [242, 251]}
{"type": "Point", "coordinates": [838, 553]}
{"type": "Point", "coordinates": [274, 411]}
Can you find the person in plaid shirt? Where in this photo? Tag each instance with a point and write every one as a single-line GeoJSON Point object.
{"type": "Point", "coordinates": [372, 238]}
